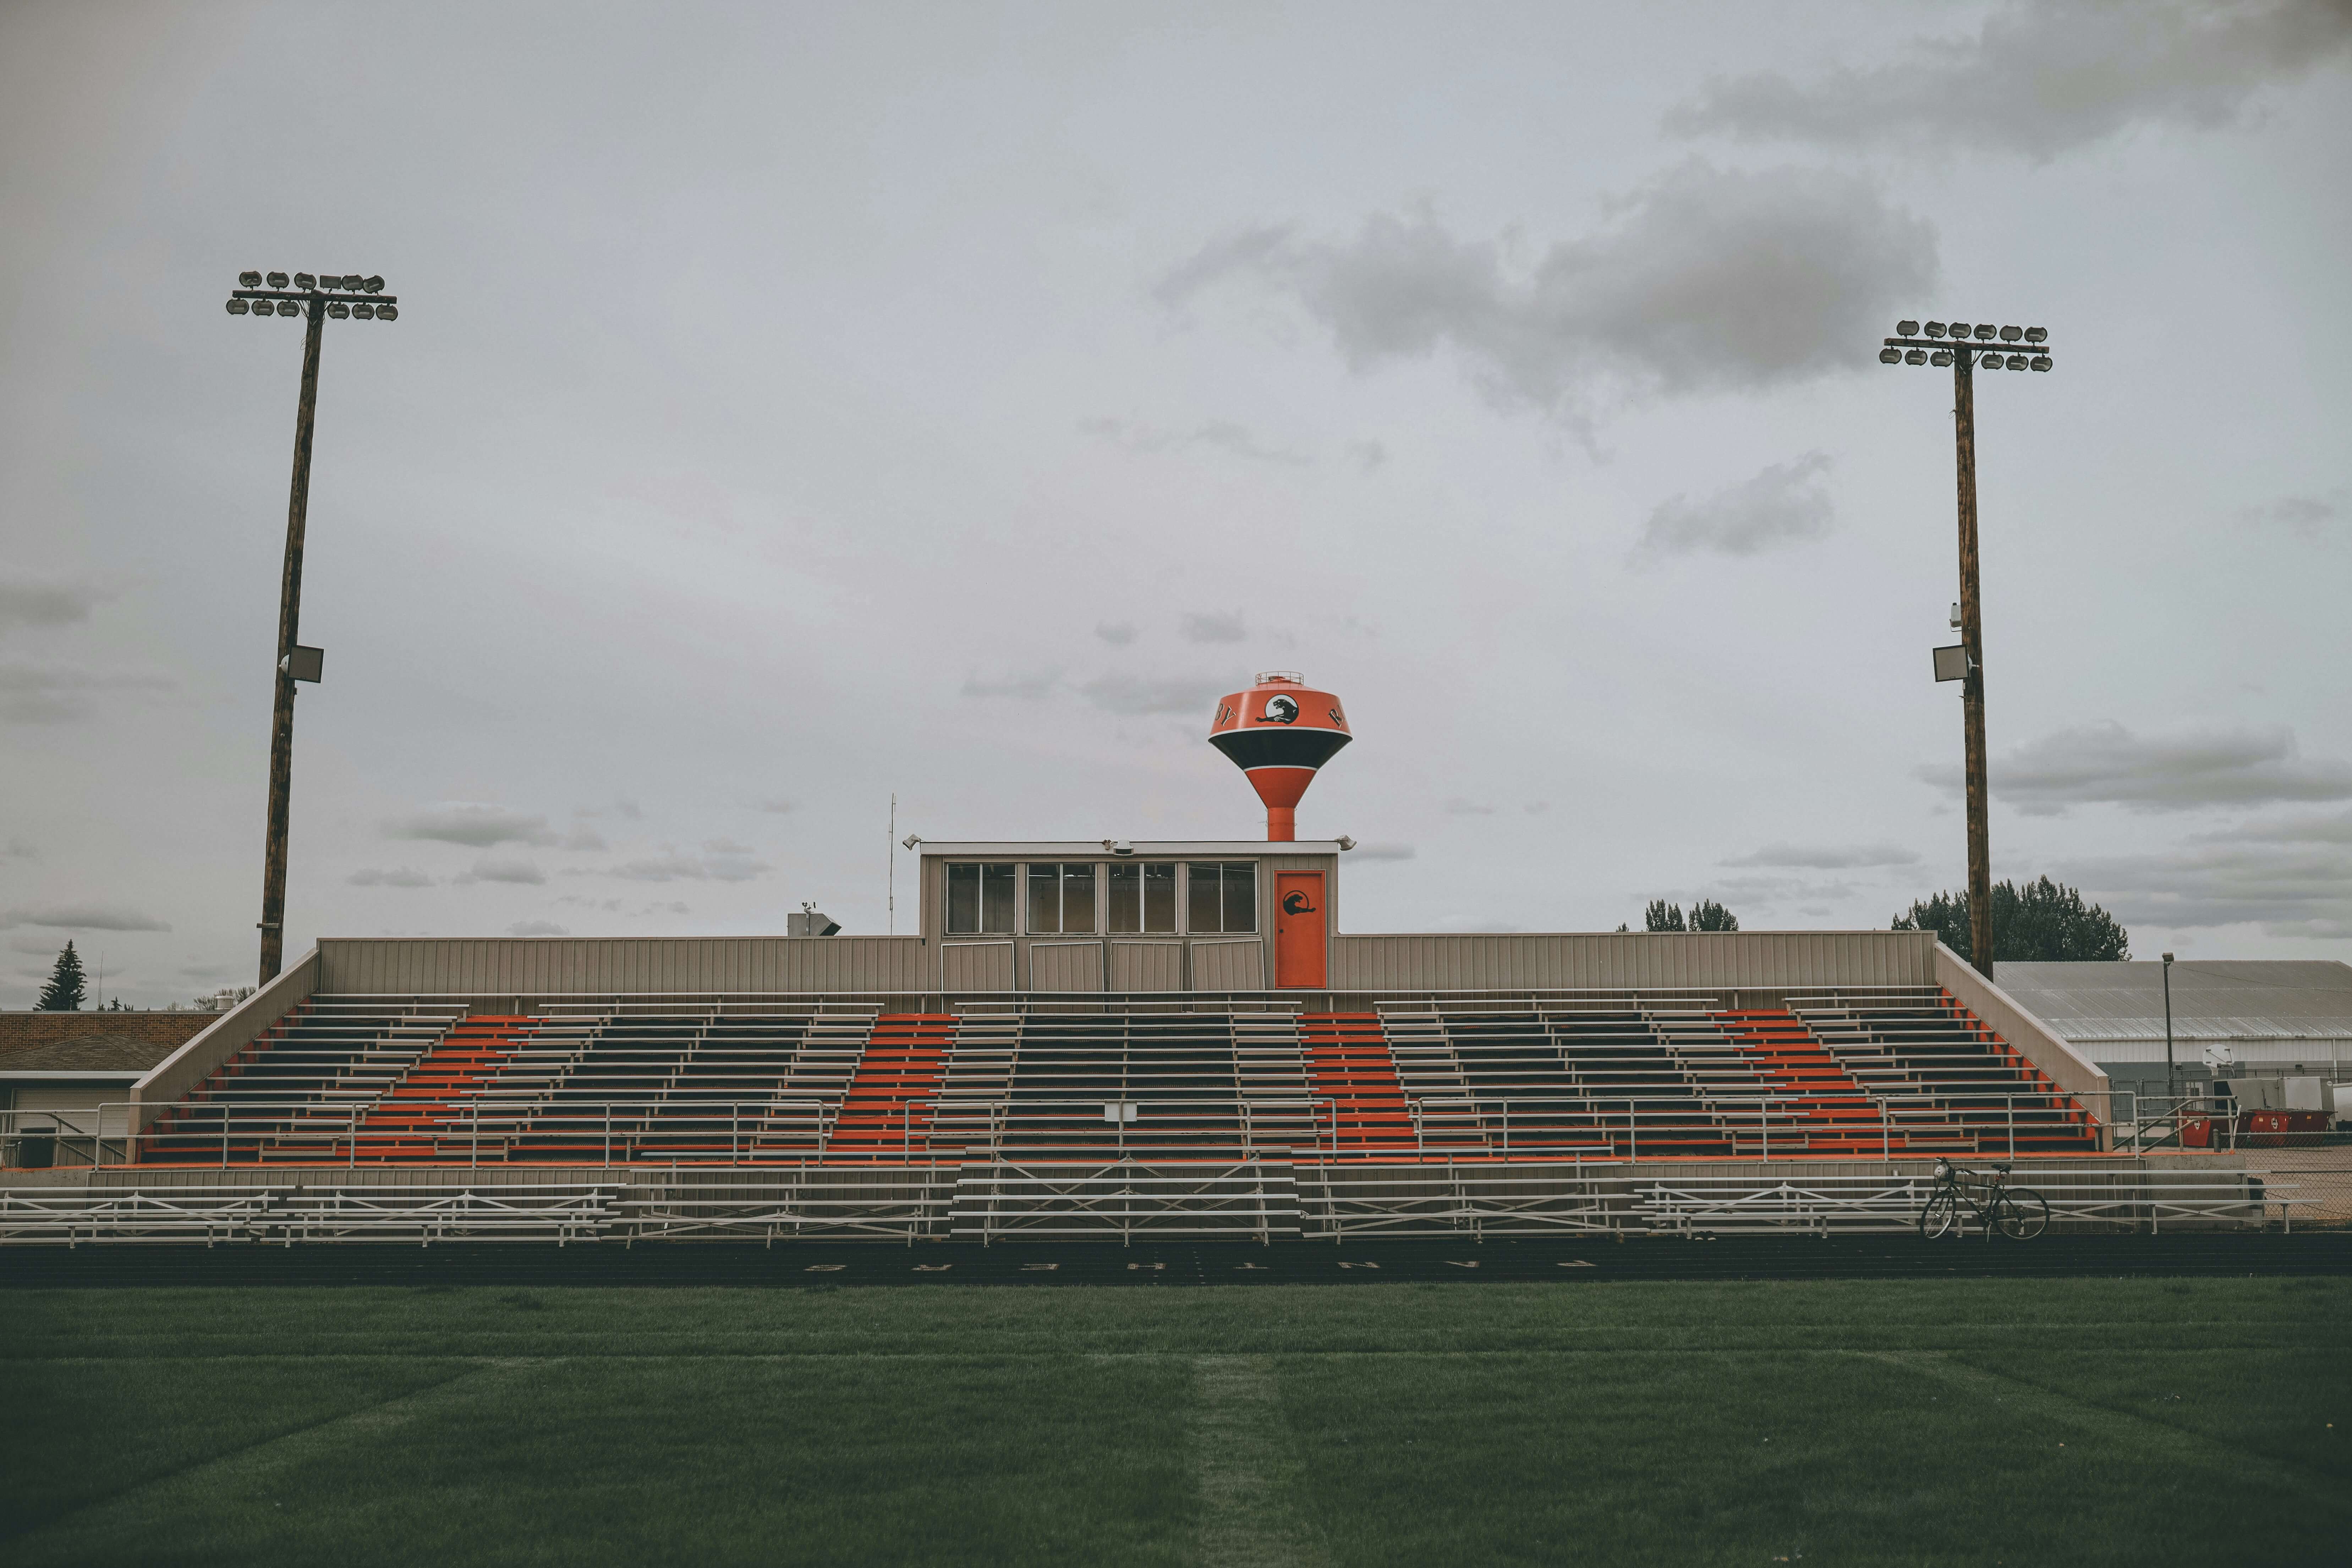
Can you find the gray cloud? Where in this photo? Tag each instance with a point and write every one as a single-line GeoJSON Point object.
{"type": "Point", "coordinates": [537, 928]}
{"type": "Point", "coordinates": [1828, 857]}
{"type": "Point", "coordinates": [725, 847]}
{"type": "Point", "coordinates": [473, 823]}
{"type": "Point", "coordinates": [1775, 891]}
{"type": "Point", "coordinates": [1222, 434]}
{"type": "Point", "coordinates": [18, 849]}
{"type": "Point", "coordinates": [2298, 889]}
{"type": "Point", "coordinates": [394, 876]}
{"type": "Point", "coordinates": [2107, 765]}
{"type": "Point", "coordinates": [2304, 514]}
{"type": "Point", "coordinates": [774, 805]}
{"type": "Point", "coordinates": [1382, 852]}
{"type": "Point", "coordinates": [37, 602]}
{"type": "Point", "coordinates": [2336, 829]}
{"type": "Point", "coordinates": [1368, 455]}
{"type": "Point", "coordinates": [519, 872]}
{"type": "Point", "coordinates": [80, 916]}
{"type": "Point", "coordinates": [672, 867]}
{"type": "Point", "coordinates": [1708, 280]}
{"type": "Point", "coordinates": [1118, 634]}
{"type": "Point", "coordinates": [1215, 627]}
{"type": "Point", "coordinates": [1458, 806]}
{"type": "Point", "coordinates": [1023, 688]}
{"type": "Point", "coordinates": [1136, 695]}
{"type": "Point", "coordinates": [44, 694]}
{"type": "Point", "coordinates": [585, 838]}
{"type": "Point", "coordinates": [1785, 504]}
{"type": "Point", "coordinates": [2039, 79]}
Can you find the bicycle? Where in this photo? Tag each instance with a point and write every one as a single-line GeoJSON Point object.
{"type": "Point", "coordinates": [2019, 1213]}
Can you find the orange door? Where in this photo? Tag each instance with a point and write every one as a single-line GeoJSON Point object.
{"type": "Point", "coordinates": [1298, 928]}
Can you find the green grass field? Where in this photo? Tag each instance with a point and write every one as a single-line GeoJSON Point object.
{"type": "Point", "coordinates": [1990, 1421]}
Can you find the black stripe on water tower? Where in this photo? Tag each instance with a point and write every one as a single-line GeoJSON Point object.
{"type": "Point", "coordinates": [1280, 748]}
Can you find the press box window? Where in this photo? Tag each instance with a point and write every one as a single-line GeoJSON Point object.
{"type": "Point", "coordinates": [979, 899]}
{"type": "Point", "coordinates": [1223, 896]}
{"type": "Point", "coordinates": [1142, 898]}
{"type": "Point", "coordinates": [1061, 900]}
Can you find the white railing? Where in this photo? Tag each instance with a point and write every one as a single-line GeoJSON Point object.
{"type": "Point", "coordinates": [1253, 1200]}
{"type": "Point", "coordinates": [2121, 1198]}
{"type": "Point", "coordinates": [284, 1216]}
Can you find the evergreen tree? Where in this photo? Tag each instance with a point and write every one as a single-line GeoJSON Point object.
{"type": "Point", "coordinates": [1708, 915]}
{"type": "Point", "coordinates": [63, 994]}
{"type": "Point", "coordinates": [2044, 922]}
{"type": "Point", "coordinates": [1663, 916]}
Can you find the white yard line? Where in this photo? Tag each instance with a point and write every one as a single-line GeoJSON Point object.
{"type": "Point", "coordinates": [1244, 1457]}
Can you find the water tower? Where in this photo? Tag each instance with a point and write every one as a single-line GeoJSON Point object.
{"type": "Point", "coordinates": [1279, 733]}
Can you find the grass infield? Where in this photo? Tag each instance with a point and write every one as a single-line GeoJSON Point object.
{"type": "Point", "coordinates": [1989, 1422]}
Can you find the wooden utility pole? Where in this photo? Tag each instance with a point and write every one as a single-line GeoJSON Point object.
{"type": "Point", "coordinates": [290, 618]}
{"type": "Point", "coordinates": [342, 298]}
{"type": "Point", "coordinates": [1964, 346]}
{"type": "Point", "coordinates": [1972, 696]}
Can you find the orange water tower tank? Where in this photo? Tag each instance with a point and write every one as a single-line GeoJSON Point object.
{"type": "Point", "coordinates": [1278, 732]}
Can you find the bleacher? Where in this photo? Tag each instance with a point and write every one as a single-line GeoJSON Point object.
{"type": "Point", "coordinates": [604, 1082]}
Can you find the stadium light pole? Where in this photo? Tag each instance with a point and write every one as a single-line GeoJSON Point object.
{"type": "Point", "coordinates": [317, 298]}
{"type": "Point", "coordinates": [1963, 346]}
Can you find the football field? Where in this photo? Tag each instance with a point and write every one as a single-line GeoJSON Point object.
{"type": "Point", "coordinates": [1980, 1421]}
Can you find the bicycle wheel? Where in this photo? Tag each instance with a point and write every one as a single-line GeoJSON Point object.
{"type": "Point", "coordinates": [1940, 1216]}
{"type": "Point", "coordinates": [2024, 1213]}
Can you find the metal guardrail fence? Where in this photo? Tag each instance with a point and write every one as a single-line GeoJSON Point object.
{"type": "Point", "coordinates": [284, 1216]}
{"type": "Point", "coordinates": [1260, 1201]}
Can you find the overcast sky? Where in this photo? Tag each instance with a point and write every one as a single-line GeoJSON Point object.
{"type": "Point", "coordinates": [790, 404]}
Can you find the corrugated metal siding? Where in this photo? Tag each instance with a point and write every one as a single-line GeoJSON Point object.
{"type": "Point", "coordinates": [1146, 966]}
{"type": "Point", "coordinates": [1065, 966]}
{"type": "Point", "coordinates": [1665, 961]}
{"type": "Point", "coordinates": [1237, 966]}
{"type": "Point", "coordinates": [975, 966]}
{"type": "Point", "coordinates": [606, 965]}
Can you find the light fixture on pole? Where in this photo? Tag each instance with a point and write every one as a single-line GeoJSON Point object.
{"type": "Point", "coordinates": [1967, 347]}
{"type": "Point", "coordinates": [315, 298]}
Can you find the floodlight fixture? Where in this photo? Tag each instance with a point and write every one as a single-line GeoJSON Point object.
{"type": "Point", "coordinates": [1935, 329]}
{"type": "Point", "coordinates": [1940, 357]}
{"type": "Point", "coordinates": [2010, 334]}
{"type": "Point", "coordinates": [1916, 356]}
{"type": "Point", "coordinates": [338, 310]}
{"type": "Point", "coordinates": [303, 280]}
{"type": "Point", "coordinates": [912, 839]}
{"type": "Point", "coordinates": [2037, 334]}
{"type": "Point", "coordinates": [238, 307]}
{"type": "Point", "coordinates": [2041, 362]}
{"type": "Point", "coordinates": [1960, 329]}
{"type": "Point", "coordinates": [248, 280]}
{"type": "Point", "coordinates": [2017, 361]}
{"type": "Point", "coordinates": [373, 286]}
{"type": "Point", "coordinates": [1890, 356]}
{"type": "Point", "coordinates": [277, 280]}
{"type": "Point", "coordinates": [364, 311]}
{"type": "Point", "coordinates": [387, 313]}
{"type": "Point", "coordinates": [288, 307]}
{"type": "Point", "coordinates": [1952, 663]}
{"type": "Point", "coordinates": [1906, 329]}
{"type": "Point", "coordinates": [1984, 332]}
